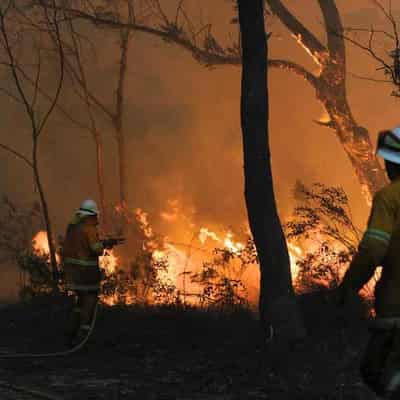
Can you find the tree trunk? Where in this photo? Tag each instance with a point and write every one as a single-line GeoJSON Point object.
{"type": "Point", "coordinates": [45, 211]}
{"type": "Point", "coordinates": [121, 167]}
{"type": "Point", "coordinates": [277, 303]}
{"type": "Point", "coordinates": [100, 179]}
{"type": "Point", "coordinates": [119, 114]}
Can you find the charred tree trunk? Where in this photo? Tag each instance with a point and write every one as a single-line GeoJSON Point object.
{"type": "Point", "coordinates": [277, 296]}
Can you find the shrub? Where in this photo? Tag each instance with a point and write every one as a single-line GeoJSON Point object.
{"type": "Point", "coordinates": [37, 269]}
{"type": "Point", "coordinates": [323, 225]}
{"type": "Point", "coordinates": [141, 283]}
{"type": "Point", "coordinates": [220, 279]}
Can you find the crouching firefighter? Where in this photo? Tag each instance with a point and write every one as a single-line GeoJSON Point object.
{"type": "Point", "coordinates": [380, 246]}
{"type": "Point", "coordinates": [81, 250]}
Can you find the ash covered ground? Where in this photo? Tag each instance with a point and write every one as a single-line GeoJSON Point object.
{"type": "Point", "coordinates": [171, 353]}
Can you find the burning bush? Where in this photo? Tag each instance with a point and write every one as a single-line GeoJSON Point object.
{"type": "Point", "coordinates": [17, 228]}
{"type": "Point", "coordinates": [221, 278]}
{"type": "Point", "coordinates": [36, 269]}
{"type": "Point", "coordinates": [322, 224]}
{"type": "Point", "coordinates": [142, 283]}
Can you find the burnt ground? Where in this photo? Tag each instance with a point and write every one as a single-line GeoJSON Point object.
{"type": "Point", "coordinates": [170, 353]}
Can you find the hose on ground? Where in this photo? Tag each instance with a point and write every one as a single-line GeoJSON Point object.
{"type": "Point", "coordinates": [68, 352]}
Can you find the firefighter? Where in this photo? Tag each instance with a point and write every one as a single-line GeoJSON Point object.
{"type": "Point", "coordinates": [380, 246]}
{"type": "Point", "coordinates": [81, 250]}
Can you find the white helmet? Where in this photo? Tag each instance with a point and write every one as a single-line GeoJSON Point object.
{"type": "Point", "coordinates": [88, 207]}
{"type": "Point", "coordinates": [389, 145]}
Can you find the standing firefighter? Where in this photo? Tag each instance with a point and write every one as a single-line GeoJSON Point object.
{"type": "Point", "coordinates": [81, 251]}
{"type": "Point", "coordinates": [380, 246]}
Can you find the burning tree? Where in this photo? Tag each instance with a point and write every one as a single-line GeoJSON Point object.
{"type": "Point", "coordinates": [330, 87]}
{"type": "Point", "coordinates": [329, 82]}
{"type": "Point", "coordinates": [35, 28]}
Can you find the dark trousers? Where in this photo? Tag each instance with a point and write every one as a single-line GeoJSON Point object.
{"type": "Point", "coordinates": [82, 314]}
{"type": "Point", "coordinates": [381, 360]}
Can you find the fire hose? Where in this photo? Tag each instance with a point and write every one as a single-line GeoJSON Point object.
{"type": "Point", "coordinates": [107, 243]}
{"type": "Point", "coordinates": [68, 352]}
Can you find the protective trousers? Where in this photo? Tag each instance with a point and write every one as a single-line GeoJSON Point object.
{"type": "Point", "coordinates": [380, 366]}
{"type": "Point", "coordinates": [81, 316]}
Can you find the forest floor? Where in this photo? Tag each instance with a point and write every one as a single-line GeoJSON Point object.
{"type": "Point", "coordinates": [169, 353]}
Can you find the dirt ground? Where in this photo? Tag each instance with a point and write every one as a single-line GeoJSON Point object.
{"type": "Point", "coordinates": [169, 353]}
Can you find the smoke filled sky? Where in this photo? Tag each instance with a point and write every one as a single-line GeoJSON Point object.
{"type": "Point", "coordinates": [183, 127]}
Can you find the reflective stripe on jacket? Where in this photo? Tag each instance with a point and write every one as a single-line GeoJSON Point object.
{"type": "Point", "coordinates": [380, 246]}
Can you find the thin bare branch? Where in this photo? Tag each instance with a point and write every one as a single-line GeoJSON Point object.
{"type": "Point", "coordinates": [367, 30]}
{"type": "Point", "coordinates": [369, 50]}
{"type": "Point", "coordinates": [388, 14]}
{"type": "Point", "coordinates": [13, 68]}
{"type": "Point", "coordinates": [17, 154]}
{"type": "Point", "coordinates": [124, 45]}
{"type": "Point", "coordinates": [158, 7]}
{"type": "Point", "coordinates": [11, 95]}
{"type": "Point", "coordinates": [178, 9]}
{"type": "Point", "coordinates": [60, 51]}
{"type": "Point", "coordinates": [76, 52]}
{"type": "Point", "coordinates": [49, 98]}
{"type": "Point", "coordinates": [366, 78]}
{"type": "Point", "coordinates": [37, 79]}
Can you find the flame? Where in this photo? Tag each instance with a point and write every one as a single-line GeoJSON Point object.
{"type": "Point", "coordinates": [40, 245]}
{"type": "Point", "coordinates": [295, 254]}
{"type": "Point", "coordinates": [205, 233]}
{"type": "Point", "coordinates": [325, 118]}
{"type": "Point", "coordinates": [109, 262]}
{"type": "Point", "coordinates": [189, 255]}
{"type": "Point", "coordinates": [176, 263]}
{"type": "Point", "coordinates": [173, 212]}
{"type": "Point", "coordinates": [315, 56]}
{"type": "Point", "coordinates": [233, 247]}
{"type": "Point", "coordinates": [142, 218]}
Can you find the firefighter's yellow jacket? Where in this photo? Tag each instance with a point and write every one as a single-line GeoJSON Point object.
{"type": "Point", "coordinates": [380, 246]}
{"type": "Point", "coordinates": [81, 251]}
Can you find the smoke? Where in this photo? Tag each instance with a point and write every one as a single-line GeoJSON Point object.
{"type": "Point", "coordinates": [183, 134]}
